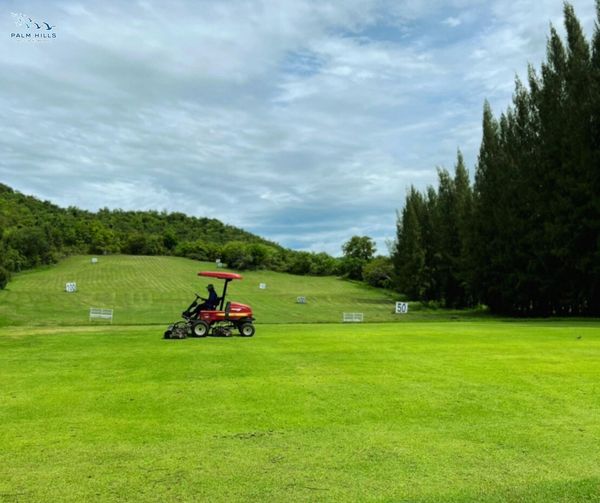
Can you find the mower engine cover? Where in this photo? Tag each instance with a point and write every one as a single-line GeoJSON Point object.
{"type": "Point", "coordinates": [237, 311]}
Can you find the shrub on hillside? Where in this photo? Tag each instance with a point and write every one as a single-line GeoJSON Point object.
{"type": "Point", "coordinates": [32, 245]}
{"type": "Point", "coordinates": [323, 265]}
{"type": "Point", "coordinates": [4, 277]}
{"type": "Point", "coordinates": [351, 267]}
{"type": "Point", "coordinates": [261, 256]}
{"type": "Point", "coordinates": [102, 239]}
{"type": "Point", "coordinates": [12, 260]}
{"type": "Point", "coordinates": [236, 255]}
{"type": "Point", "coordinates": [143, 244]}
{"type": "Point", "coordinates": [379, 272]}
{"type": "Point", "coordinates": [300, 263]}
{"type": "Point", "coordinates": [196, 250]}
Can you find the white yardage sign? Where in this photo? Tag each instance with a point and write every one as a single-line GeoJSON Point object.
{"type": "Point", "coordinates": [401, 307]}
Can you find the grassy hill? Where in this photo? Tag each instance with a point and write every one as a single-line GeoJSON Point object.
{"type": "Point", "coordinates": [154, 290]}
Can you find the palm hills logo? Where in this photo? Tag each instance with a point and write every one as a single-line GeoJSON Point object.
{"type": "Point", "coordinates": [32, 29]}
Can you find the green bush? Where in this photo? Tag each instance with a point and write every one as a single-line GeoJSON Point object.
{"type": "Point", "coordinates": [236, 255]}
{"type": "Point", "coordinates": [379, 272]}
{"type": "Point", "coordinates": [300, 263]}
{"type": "Point", "coordinates": [351, 267]}
{"type": "Point", "coordinates": [323, 265]}
{"type": "Point", "coordinates": [4, 277]}
{"type": "Point", "coordinates": [142, 244]}
{"type": "Point", "coordinates": [196, 250]}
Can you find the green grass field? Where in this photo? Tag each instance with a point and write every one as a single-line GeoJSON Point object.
{"type": "Point", "coordinates": [429, 411]}
{"type": "Point", "coordinates": [150, 290]}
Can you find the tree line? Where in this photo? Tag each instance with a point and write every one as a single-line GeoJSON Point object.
{"type": "Point", "coordinates": [524, 238]}
{"type": "Point", "coordinates": [35, 232]}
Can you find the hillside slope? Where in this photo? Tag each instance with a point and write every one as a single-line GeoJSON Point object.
{"type": "Point", "coordinates": [84, 227]}
{"type": "Point", "coordinates": [149, 290]}
{"type": "Point", "coordinates": [35, 233]}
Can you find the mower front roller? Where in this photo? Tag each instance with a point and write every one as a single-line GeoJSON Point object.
{"type": "Point", "coordinates": [178, 330]}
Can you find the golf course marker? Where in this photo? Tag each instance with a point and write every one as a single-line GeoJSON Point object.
{"type": "Point", "coordinates": [97, 313]}
{"type": "Point", "coordinates": [401, 307]}
{"type": "Point", "coordinates": [352, 317]}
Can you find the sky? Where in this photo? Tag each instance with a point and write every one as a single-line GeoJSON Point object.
{"type": "Point", "coordinates": [304, 122]}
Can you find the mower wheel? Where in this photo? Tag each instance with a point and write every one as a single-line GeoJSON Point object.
{"type": "Point", "coordinates": [247, 329]}
{"type": "Point", "coordinates": [200, 329]}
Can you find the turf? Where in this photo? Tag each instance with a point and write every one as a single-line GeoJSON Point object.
{"type": "Point", "coordinates": [486, 411]}
{"type": "Point", "coordinates": [148, 290]}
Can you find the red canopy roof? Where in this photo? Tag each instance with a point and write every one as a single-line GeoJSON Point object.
{"type": "Point", "coordinates": [220, 275]}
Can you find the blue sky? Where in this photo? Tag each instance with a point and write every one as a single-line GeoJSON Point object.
{"type": "Point", "coordinates": [302, 121]}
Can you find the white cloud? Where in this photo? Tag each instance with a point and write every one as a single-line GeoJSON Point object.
{"type": "Point", "coordinates": [302, 121]}
{"type": "Point", "coordinates": [451, 21]}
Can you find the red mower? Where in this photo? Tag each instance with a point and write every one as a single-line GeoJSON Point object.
{"type": "Point", "coordinates": [200, 320]}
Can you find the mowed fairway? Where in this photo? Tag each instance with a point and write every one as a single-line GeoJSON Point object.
{"type": "Point", "coordinates": [488, 411]}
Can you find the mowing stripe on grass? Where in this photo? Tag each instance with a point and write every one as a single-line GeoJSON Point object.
{"type": "Point", "coordinates": [383, 412]}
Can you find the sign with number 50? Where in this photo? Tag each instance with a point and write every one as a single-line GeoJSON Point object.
{"type": "Point", "coordinates": [401, 307]}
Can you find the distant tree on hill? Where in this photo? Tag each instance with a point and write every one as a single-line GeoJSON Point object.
{"type": "Point", "coordinates": [358, 251]}
{"type": "Point", "coordinates": [169, 239]}
{"type": "Point", "coordinates": [360, 247]}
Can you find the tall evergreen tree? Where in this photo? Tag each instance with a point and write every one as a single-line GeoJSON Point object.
{"type": "Point", "coordinates": [594, 168]}
{"type": "Point", "coordinates": [552, 112]}
{"type": "Point", "coordinates": [447, 246]}
{"type": "Point", "coordinates": [522, 151]}
{"type": "Point", "coordinates": [575, 218]}
{"type": "Point", "coordinates": [409, 255]}
{"type": "Point", "coordinates": [463, 214]}
{"type": "Point", "coordinates": [487, 192]}
{"type": "Point", "coordinates": [426, 213]}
